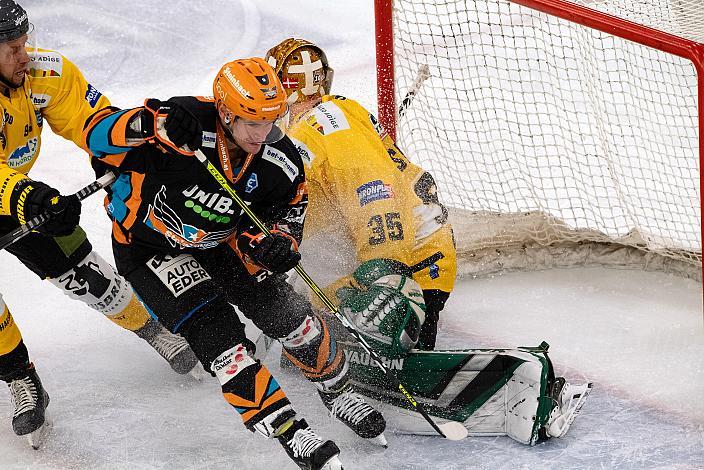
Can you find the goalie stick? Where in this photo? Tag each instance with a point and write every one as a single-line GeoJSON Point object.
{"type": "Point", "coordinates": [23, 230]}
{"type": "Point", "coordinates": [451, 430]}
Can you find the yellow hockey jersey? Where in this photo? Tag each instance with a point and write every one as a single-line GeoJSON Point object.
{"type": "Point", "coordinates": [361, 183]}
{"type": "Point", "coordinates": [54, 91]}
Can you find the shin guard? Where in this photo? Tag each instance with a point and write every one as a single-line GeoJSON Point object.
{"type": "Point", "coordinates": [313, 349]}
{"type": "Point", "coordinates": [95, 282]}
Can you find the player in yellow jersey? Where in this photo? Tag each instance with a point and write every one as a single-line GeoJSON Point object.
{"type": "Point", "coordinates": [39, 87]}
{"type": "Point", "coordinates": [361, 184]}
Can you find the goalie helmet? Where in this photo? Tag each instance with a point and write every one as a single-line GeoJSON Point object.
{"type": "Point", "coordinates": [303, 69]}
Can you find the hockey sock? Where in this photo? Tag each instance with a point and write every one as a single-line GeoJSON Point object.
{"type": "Point", "coordinates": [95, 282]}
{"type": "Point", "coordinates": [252, 391]}
{"type": "Point", "coordinates": [15, 363]}
{"type": "Point", "coordinates": [10, 336]}
{"type": "Point", "coordinates": [314, 350]}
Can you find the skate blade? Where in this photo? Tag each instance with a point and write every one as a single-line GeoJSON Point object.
{"type": "Point", "coordinates": [37, 438]}
{"type": "Point", "coordinates": [379, 440]}
{"type": "Point", "coordinates": [333, 464]}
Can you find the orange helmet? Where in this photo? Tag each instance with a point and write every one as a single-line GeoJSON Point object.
{"type": "Point", "coordinates": [302, 67]}
{"type": "Point", "coordinates": [250, 89]}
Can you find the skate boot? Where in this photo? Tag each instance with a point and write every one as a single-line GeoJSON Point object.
{"type": "Point", "coordinates": [30, 401]}
{"type": "Point", "coordinates": [568, 400]}
{"type": "Point", "coordinates": [170, 346]}
{"type": "Point", "coordinates": [307, 449]}
{"type": "Point", "coordinates": [350, 407]}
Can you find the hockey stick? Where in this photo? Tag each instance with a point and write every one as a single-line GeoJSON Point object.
{"type": "Point", "coordinates": [423, 75]}
{"type": "Point", "coordinates": [451, 430]}
{"type": "Point", "coordinates": [23, 230]}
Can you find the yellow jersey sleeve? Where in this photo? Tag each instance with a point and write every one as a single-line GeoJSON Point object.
{"type": "Point", "coordinates": [360, 183]}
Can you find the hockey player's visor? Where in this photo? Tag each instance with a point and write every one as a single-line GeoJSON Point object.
{"type": "Point", "coordinates": [259, 132]}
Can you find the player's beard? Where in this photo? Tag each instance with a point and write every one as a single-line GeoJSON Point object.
{"type": "Point", "coordinates": [15, 81]}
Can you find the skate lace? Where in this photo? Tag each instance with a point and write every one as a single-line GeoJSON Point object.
{"type": "Point", "coordinates": [24, 395]}
{"type": "Point", "coordinates": [351, 407]}
{"type": "Point", "coordinates": [304, 442]}
{"type": "Point", "coordinates": [167, 345]}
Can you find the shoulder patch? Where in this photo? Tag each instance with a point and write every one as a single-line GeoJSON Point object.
{"type": "Point", "coordinates": [306, 154]}
{"type": "Point", "coordinates": [40, 100]}
{"type": "Point", "coordinates": [327, 118]}
{"type": "Point", "coordinates": [92, 95]}
{"type": "Point", "coordinates": [279, 158]}
{"type": "Point", "coordinates": [209, 139]}
{"type": "Point", "coordinates": [46, 64]}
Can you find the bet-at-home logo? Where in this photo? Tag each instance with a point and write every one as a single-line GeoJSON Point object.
{"type": "Point", "coordinates": [212, 206]}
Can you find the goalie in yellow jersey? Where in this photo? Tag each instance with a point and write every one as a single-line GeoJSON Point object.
{"type": "Point", "coordinates": [361, 183]}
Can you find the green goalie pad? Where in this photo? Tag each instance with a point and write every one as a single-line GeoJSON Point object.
{"type": "Point", "coordinates": [492, 392]}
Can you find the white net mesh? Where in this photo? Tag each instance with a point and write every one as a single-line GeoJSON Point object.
{"type": "Point", "coordinates": [528, 113]}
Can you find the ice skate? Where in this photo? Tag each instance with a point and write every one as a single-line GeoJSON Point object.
{"type": "Point", "coordinates": [308, 450]}
{"type": "Point", "coordinates": [350, 407]}
{"type": "Point", "coordinates": [569, 399]}
{"type": "Point", "coordinates": [30, 401]}
{"type": "Point", "coordinates": [171, 347]}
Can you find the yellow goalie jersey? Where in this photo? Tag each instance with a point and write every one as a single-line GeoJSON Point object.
{"type": "Point", "coordinates": [361, 183]}
{"type": "Point", "coordinates": [54, 91]}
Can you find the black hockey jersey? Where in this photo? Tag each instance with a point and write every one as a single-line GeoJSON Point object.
{"type": "Point", "coordinates": [170, 202]}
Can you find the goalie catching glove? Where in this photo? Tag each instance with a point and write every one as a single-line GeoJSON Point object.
{"type": "Point", "coordinates": [277, 252]}
{"type": "Point", "coordinates": [33, 198]}
{"type": "Point", "coordinates": [386, 307]}
{"type": "Point", "coordinates": [171, 127]}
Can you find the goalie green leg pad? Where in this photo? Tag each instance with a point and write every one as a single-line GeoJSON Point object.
{"type": "Point", "coordinates": [493, 392]}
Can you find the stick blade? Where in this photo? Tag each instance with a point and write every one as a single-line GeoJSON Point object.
{"type": "Point", "coordinates": [453, 430]}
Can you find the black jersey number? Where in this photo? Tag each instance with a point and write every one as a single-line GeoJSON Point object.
{"type": "Point", "coordinates": [389, 226]}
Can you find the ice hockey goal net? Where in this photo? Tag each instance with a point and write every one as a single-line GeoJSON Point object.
{"type": "Point", "coordinates": [559, 132]}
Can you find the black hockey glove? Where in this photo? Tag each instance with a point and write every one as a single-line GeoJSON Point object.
{"type": "Point", "coordinates": [171, 126]}
{"type": "Point", "coordinates": [32, 198]}
{"type": "Point", "coordinates": [277, 252]}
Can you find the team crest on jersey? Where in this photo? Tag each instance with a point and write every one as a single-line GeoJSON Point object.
{"type": "Point", "coordinates": [46, 64]}
{"type": "Point", "coordinates": [374, 191]}
{"type": "Point", "coordinates": [162, 218]}
{"type": "Point", "coordinates": [23, 155]}
{"type": "Point", "coordinates": [327, 118]}
{"type": "Point", "coordinates": [252, 183]}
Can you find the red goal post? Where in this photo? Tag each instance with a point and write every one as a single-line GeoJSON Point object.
{"type": "Point", "coordinates": [526, 72]}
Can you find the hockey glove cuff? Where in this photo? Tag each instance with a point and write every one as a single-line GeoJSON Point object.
{"type": "Point", "coordinates": [32, 198]}
{"type": "Point", "coordinates": [171, 127]}
{"type": "Point", "coordinates": [277, 252]}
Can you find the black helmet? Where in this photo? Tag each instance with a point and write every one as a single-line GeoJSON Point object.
{"type": "Point", "coordinates": [13, 21]}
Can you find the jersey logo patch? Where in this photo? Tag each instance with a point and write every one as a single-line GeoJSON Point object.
{"type": "Point", "coordinates": [45, 64]}
{"type": "Point", "coordinates": [374, 191]}
{"type": "Point", "coordinates": [40, 100]}
{"type": "Point", "coordinates": [209, 139]}
{"type": "Point", "coordinates": [178, 274]}
{"type": "Point", "coordinates": [327, 119]}
{"type": "Point", "coordinates": [252, 183]}
{"type": "Point", "coordinates": [92, 95]}
{"type": "Point", "coordinates": [280, 159]}
{"type": "Point", "coordinates": [306, 155]}
{"type": "Point", "coordinates": [23, 155]}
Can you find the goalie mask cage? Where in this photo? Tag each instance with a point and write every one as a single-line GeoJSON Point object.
{"type": "Point", "coordinates": [559, 132]}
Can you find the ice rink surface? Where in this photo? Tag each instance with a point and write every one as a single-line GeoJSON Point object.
{"type": "Point", "coordinates": [116, 405]}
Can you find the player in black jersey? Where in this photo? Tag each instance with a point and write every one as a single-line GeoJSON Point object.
{"type": "Point", "coordinates": [190, 253]}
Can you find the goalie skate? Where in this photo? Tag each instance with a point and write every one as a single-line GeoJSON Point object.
{"type": "Point", "coordinates": [569, 399]}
